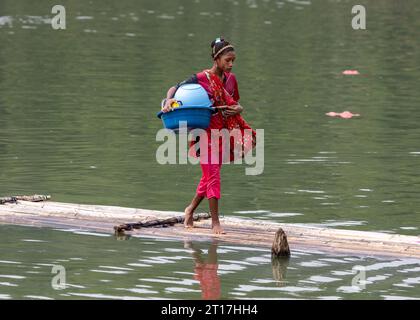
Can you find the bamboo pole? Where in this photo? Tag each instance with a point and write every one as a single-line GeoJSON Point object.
{"type": "Point", "coordinates": [239, 230]}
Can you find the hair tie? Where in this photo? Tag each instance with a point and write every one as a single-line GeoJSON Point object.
{"type": "Point", "coordinates": [215, 43]}
{"type": "Point", "coordinates": [218, 52]}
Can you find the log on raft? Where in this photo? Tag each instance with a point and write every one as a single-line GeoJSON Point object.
{"type": "Point", "coordinates": [242, 231]}
{"type": "Point", "coordinates": [33, 198]}
{"type": "Point", "coordinates": [157, 223]}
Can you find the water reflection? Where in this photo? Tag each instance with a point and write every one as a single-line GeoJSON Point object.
{"type": "Point", "coordinates": [99, 267]}
{"type": "Point", "coordinates": [279, 265]}
{"type": "Point", "coordinates": [122, 236]}
{"type": "Point", "coordinates": [205, 270]}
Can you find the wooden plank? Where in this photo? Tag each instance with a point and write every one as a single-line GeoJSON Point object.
{"type": "Point", "coordinates": [242, 231]}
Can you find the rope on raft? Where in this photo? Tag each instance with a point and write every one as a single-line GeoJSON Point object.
{"type": "Point", "coordinates": [33, 198]}
{"type": "Point", "coordinates": [157, 223]}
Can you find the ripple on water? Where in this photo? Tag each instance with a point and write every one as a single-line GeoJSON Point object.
{"type": "Point", "coordinates": [231, 267]}
{"type": "Point", "coordinates": [311, 191]}
{"type": "Point", "coordinates": [251, 211]}
{"type": "Point", "coordinates": [138, 265]}
{"type": "Point", "coordinates": [10, 262]}
{"type": "Point", "coordinates": [259, 260]}
{"type": "Point", "coordinates": [44, 265]}
{"type": "Point", "coordinates": [416, 269]}
{"type": "Point", "coordinates": [38, 297]}
{"type": "Point", "coordinates": [300, 2]}
{"type": "Point", "coordinates": [238, 262]}
{"type": "Point", "coordinates": [96, 234]}
{"type": "Point", "coordinates": [334, 260]}
{"type": "Point", "coordinates": [6, 20]}
{"type": "Point", "coordinates": [323, 279]}
{"type": "Point", "coordinates": [8, 284]}
{"type": "Point", "coordinates": [187, 282]}
{"type": "Point", "coordinates": [377, 278]}
{"type": "Point", "coordinates": [162, 260]}
{"type": "Point", "coordinates": [292, 289]}
{"type": "Point", "coordinates": [185, 273]}
{"type": "Point", "coordinates": [349, 289]}
{"type": "Point", "coordinates": [84, 18]}
{"type": "Point", "coordinates": [313, 264]}
{"type": "Point", "coordinates": [296, 161]}
{"type": "Point", "coordinates": [177, 250]}
{"type": "Point", "coordinates": [35, 20]}
{"type": "Point", "coordinates": [138, 290]}
{"type": "Point", "coordinates": [399, 298]}
{"type": "Point", "coordinates": [11, 276]}
{"type": "Point", "coordinates": [244, 248]}
{"type": "Point", "coordinates": [391, 264]}
{"type": "Point", "coordinates": [334, 223]}
{"type": "Point", "coordinates": [284, 214]}
{"type": "Point", "coordinates": [116, 268]}
{"type": "Point", "coordinates": [180, 290]}
{"type": "Point", "coordinates": [166, 17]}
{"type": "Point", "coordinates": [263, 281]}
{"type": "Point", "coordinates": [102, 296]}
{"type": "Point", "coordinates": [109, 271]}
{"type": "Point", "coordinates": [330, 298]}
{"type": "Point", "coordinates": [409, 282]}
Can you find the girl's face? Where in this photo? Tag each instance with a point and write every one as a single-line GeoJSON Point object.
{"type": "Point", "coordinates": [225, 61]}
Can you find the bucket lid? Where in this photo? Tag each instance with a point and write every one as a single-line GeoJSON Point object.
{"type": "Point", "coordinates": [192, 95]}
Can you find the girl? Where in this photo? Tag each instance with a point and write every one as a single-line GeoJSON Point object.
{"type": "Point", "coordinates": [222, 88]}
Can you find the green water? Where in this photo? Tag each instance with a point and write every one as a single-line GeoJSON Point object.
{"type": "Point", "coordinates": [100, 267]}
{"type": "Point", "coordinates": [78, 106]}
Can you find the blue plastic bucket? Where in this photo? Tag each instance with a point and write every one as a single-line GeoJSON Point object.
{"type": "Point", "coordinates": [195, 108]}
{"type": "Point", "coordinates": [195, 117]}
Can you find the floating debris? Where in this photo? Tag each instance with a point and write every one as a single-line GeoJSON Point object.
{"type": "Point", "coordinates": [344, 114]}
{"type": "Point", "coordinates": [351, 72]}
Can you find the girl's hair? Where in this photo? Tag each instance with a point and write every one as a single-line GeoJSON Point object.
{"type": "Point", "coordinates": [219, 47]}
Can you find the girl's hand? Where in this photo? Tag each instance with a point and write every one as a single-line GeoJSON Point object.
{"type": "Point", "coordinates": [232, 110]}
{"type": "Point", "coordinates": [167, 107]}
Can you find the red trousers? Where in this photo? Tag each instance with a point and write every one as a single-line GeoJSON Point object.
{"type": "Point", "coordinates": [209, 185]}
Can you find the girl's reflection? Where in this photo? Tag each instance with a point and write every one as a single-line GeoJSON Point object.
{"type": "Point", "coordinates": [205, 271]}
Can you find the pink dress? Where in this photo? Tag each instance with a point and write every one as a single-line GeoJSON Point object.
{"type": "Point", "coordinates": [221, 94]}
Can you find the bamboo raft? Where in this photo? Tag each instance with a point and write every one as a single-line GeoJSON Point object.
{"type": "Point", "coordinates": [242, 231]}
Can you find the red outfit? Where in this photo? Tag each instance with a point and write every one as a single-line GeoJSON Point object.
{"type": "Point", "coordinates": [221, 94]}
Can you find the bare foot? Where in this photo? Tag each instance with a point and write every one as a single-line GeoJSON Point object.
{"type": "Point", "coordinates": [189, 220]}
{"type": "Point", "coordinates": [217, 228]}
